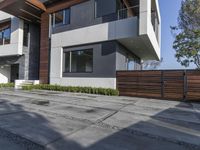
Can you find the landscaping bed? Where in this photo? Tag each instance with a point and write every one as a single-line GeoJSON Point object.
{"type": "Point", "coordinates": [88, 90]}
{"type": "Point", "coordinates": [7, 85]}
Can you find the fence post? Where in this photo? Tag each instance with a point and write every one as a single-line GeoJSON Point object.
{"type": "Point", "coordinates": [185, 88]}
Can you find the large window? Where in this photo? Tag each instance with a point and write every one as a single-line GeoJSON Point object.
{"type": "Point", "coordinates": [5, 36]}
{"type": "Point", "coordinates": [130, 63]}
{"type": "Point", "coordinates": [133, 63]}
{"type": "Point", "coordinates": [61, 17]}
{"type": "Point", "coordinates": [78, 61]}
{"type": "Point", "coordinates": [104, 7]}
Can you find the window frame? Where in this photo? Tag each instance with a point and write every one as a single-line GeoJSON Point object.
{"type": "Point", "coordinates": [70, 61]}
{"type": "Point", "coordinates": [64, 22]}
{"type": "Point", "coordinates": [2, 30]}
{"type": "Point", "coordinates": [9, 35]}
{"type": "Point", "coordinates": [1, 41]}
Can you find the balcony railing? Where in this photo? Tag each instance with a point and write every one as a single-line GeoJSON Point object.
{"type": "Point", "coordinates": [132, 11]}
{"type": "Point", "coordinates": [155, 23]}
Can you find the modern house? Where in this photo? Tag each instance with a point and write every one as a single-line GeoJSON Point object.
{"type": "Point", "coordinates": [82, 42]}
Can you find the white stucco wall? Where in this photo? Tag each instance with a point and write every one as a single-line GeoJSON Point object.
{"type": "Point", "coordinates": [5, 74]}
{"type": "Point", "coordinates": [85, 82]}
{"type": "Point", "coordinates": [146, 27]}
{"type": "Point", "coordinates": [16, 44]}
{"type": "Point", "coordinates": [97, 33]}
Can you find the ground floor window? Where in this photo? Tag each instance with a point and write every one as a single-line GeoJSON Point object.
{"type": "Point", "coordinates": [133, 63]}
{"type": "Point", "coordinates": [130, 63]}
{"type": "Point", "coordinates": [80, 61]}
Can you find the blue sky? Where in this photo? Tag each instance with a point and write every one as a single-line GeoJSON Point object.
{"type": "Point", "coordinates": [169, 13]}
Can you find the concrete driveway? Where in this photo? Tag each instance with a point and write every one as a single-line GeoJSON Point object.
{"type": "Point", "coordinates": [39, 120]}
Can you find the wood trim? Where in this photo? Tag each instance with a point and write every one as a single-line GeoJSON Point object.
{"type": "Point", "coordinates": [5, 25]}
{"type": "Point", "coordinates": [44, 49]}
{"type": "Point", "coordinates": [6, 3]}
{"type": "Point", "coordinates": [37, 4]}
{"type": "Point", "coordinates": [130, 10]}
{"type": "Point", "coordinates": [62, 5]}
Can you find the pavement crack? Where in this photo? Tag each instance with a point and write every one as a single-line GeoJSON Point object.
{"type": "Point", "coordinates": [106, 117]}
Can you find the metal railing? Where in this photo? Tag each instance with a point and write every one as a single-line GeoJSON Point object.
{"type": "Point", "coordinates": [155, 23]}
{"type": "Point", "coordinates": [128, 12]}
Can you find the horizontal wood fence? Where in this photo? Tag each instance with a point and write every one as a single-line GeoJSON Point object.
{"type": "Point", "coordinates": [161, 84]}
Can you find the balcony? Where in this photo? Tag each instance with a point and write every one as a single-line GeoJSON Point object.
{"type": "Point", "coordinates": [11, 35]}
{"type": "Point", "coordinates": [146, 44]}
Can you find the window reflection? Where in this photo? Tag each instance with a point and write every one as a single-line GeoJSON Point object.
{"type": "Point", "coordinates": [5, 33]}
{"type": "Point", "coordinates": [61, 18]}
{"type": "Point", "coordinates": [79, 61]}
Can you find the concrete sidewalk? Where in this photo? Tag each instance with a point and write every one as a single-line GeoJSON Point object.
{"type": "Point", "coordinates": [66, 121]}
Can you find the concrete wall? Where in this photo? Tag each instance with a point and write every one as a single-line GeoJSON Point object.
{"type": "Point", "coordinates": [85, 82]}
{"type": "Point", "coordinates": [97, 33]}
{"type": "Point", "coordinates": [5, 74]}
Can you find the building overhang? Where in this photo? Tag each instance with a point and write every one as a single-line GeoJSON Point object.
{"type": "Point", "coordinates": [9, 60]}
{"type": "Point", "coordinates": [29, 10]}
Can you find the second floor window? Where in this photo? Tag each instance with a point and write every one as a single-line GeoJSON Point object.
{"type": "Point", "coordinates": [104, 7]}
{"type": "Point", "coordinates": [60, 18]}
{"type": "Point", "coordinates": [5, 36]}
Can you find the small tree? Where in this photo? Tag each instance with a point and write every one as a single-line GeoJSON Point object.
{"type": "Point", "coordinates": [187, 34]}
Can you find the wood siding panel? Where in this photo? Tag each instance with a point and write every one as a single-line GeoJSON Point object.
{"type": "Point", "coordinates": [44, 49]}
{"type": "Point", "coordinates": [173, 85]}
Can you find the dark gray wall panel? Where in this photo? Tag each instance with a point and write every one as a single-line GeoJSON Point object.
{"type": "Point", "coordinates": [34, 52]}
{"type": "Point", "coordinates": [81, 15]}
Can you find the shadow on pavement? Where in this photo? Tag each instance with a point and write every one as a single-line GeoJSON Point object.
{"type": "Point", "coordinates": [175, 128]}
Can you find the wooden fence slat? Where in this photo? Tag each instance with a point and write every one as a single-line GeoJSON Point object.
{"type": "Point", "coordinates": [162, 84]}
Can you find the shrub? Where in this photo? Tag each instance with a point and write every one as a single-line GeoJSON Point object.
{"type": "Point", "coordinates": [6, 85]}
{"type": "Point", "coordinates": [89, 90]}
